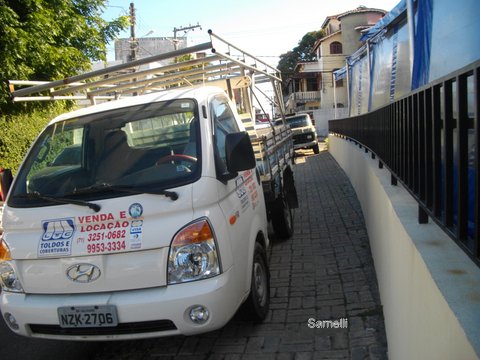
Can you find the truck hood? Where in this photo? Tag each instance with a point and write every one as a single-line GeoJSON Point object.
{"type": "Point", "coordinates": [302, 130]}
{"type": "Point", "coordinates": [127, 242]}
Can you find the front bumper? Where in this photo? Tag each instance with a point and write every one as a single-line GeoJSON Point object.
{"type": "Point", "coordinates": [304, 140]}
{"type": "Point", "coordinates": [141, 313]}
{"type": "Point", "coordinates": [306, 145]}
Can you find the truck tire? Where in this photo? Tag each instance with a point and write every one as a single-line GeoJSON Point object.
{"type": "Point", "coordinates": [316, 149]}
{"type": "Point", "coordinates": [282, 218]}
{"type": "Point", "coordinates": [258, 302]}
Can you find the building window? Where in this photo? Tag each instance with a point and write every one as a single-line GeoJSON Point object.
{"type": "Point", "coordinates": [312, 84]}
{"type": "Point", "coordinates": [336, 48]}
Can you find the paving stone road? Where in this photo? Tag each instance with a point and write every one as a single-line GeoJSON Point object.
{"type": "Point", "coordinates": [325, 272]}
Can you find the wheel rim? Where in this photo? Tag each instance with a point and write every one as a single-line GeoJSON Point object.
{"type": "Point", "coordinates": [260, 279]}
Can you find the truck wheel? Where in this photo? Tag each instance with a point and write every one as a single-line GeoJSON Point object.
{"type": "Point", "coordinates": [282, 218]}
{"type": "Point", "coordinates": [316, 149]}
{"type": "Point", "coordinates": [258, 302]}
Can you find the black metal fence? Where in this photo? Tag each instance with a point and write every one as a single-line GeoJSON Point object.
{"type": "Point", "coordinates": [429, 142]}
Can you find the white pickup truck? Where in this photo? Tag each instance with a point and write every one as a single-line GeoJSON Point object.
{"type": "Point", "coordinates": [304, 132]}
{"type": "Point", "coordinates": [146, 216]}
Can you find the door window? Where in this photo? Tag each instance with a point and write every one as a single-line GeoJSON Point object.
{"type": "Point", "coordinates": [224, 123]}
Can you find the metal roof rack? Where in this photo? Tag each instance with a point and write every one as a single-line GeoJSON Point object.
{"type": "Point", "coordinates": [225, 65]}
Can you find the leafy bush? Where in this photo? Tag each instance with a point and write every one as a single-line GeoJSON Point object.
{"type": "Point", "coordinates": [45, 40]}
{"type": "Point", "coordinates": [17, 132]}
{"type": "Point", "coordinates": [51, 40]}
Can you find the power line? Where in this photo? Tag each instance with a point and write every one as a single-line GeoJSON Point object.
{"type": "Point", "coordinates": [185, 29]}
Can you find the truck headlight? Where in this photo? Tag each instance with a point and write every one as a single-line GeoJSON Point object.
{"type": "Point", "coordinates": [193, 254]}
{"type": "Point", "coordinates": [8, 278]}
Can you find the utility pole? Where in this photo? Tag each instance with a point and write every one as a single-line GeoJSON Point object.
{"type": "Point", "coordinates": [133, 40]}
{"type": "Point", "coordinates": [183, 28]}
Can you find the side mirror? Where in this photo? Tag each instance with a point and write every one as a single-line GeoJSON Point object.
{"type": "Point", "coordinates": [6, 179]}
{"type": "Point", "coordinates": [239, 152]}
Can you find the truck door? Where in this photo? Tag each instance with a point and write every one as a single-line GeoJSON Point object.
{"type": "Point", "coordinates": [234, 194]}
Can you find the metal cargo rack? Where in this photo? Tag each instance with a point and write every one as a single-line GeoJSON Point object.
{"type": "Point", "coordinates": [223, 64]}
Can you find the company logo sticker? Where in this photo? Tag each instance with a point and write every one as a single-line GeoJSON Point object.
{"type": "Point", "coordinates": [136, 234]}
{"type": "Point", "coordinates": [56, 237]}
{"type": "Point", "coordinates": [58, 229]}
{"type": "Point", "coordinates": [136, 226]}
{"type": "Point", "coordinates": [135, 241]}
{"type": "Point", "coordinates": [135, 210]}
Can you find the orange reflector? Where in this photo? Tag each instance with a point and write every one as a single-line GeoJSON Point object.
{"type": "Point", "coordinates": [233, 219]}
{"type": "Point", "coordinates": [4, 252]}
{"type": "Point", "coordinates": [193, 233]}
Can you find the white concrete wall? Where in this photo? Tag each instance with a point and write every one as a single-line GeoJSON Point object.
{"type": "Point", "coordinates": [323, 116]}
{"type": "Point", "coordinates": [430, 290]}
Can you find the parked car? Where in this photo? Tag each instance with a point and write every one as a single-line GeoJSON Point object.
{"type": "Point", "coordinates": [304, 133]}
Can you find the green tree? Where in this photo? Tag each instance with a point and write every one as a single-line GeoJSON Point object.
{"type": "Point", "coordinates": [45, 40]}
{"type": "Point", "coordinates": [51, 39]}
{"type": "Point", "coordinates": [302, 52]}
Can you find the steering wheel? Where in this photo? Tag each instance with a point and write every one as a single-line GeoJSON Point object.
{"type": "Point", "coordinates": [176, 158]}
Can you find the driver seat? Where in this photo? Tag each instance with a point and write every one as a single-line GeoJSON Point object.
{"type": "Point", "coordinates": [113, 162]}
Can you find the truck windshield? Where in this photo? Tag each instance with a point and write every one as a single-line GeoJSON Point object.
{"type": "Point", "coordinates": [298, 121]}
{"type": "Point", "coordinates": [144, 148]}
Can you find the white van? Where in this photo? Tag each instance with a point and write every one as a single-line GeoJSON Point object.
{"type": "Point", "coordinates": [146, 216]}
{"type": "Point", "coordinates": [154, 223]}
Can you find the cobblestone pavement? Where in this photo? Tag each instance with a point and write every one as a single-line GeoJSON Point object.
{"type": "Point", "coordinates": [325, 272]}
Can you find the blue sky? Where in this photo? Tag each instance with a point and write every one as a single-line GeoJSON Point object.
{"type": "Point", "coordinates": [265, 28]}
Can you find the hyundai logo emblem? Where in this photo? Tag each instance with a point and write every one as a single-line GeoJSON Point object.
{"type": "Point", "coordinates": [83, 273]}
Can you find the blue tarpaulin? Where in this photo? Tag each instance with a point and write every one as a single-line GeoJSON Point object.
{"type": "Point", "coordinates": [422, 44]}
{"type": "Point", "coordinates": [385, 21]}
{"type": "Point", "coordinates": [340, 73]}
{"type": "Point", "coordinates": [408, 53]}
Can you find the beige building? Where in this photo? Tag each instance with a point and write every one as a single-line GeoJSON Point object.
{"type": "Point", "coordinates": [312, 87]}
{"type": "Point", "coordinates": [304, 93]}
{"type": "Point", "coordinates": [343, 32]}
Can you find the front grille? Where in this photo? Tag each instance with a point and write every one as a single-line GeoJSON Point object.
{"type": "Point", "coordinates": [120, 329]}
{"type": "Point", "coordinates": [302, 138]}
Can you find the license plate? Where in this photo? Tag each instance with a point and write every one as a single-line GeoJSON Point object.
{"type": "Point", "coordinates": [87, 316]}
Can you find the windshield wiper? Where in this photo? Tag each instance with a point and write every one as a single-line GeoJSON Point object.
{"type": "Point", "coordinates": [124, 188]}
{"type": "Point", "coordinates": [59, 200]}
